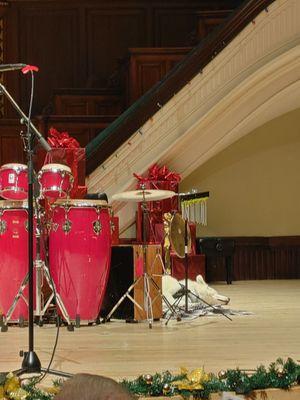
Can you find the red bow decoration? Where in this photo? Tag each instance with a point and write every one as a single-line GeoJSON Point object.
{"type": "Point", "coordinates": [156, 173]}
{"type": "Point", "coordinates": [61, 140]}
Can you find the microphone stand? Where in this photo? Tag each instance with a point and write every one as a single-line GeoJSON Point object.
{"type": "Point", "coordinates": [31, 362]}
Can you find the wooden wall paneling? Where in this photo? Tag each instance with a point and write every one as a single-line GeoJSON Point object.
{"type": "Point", "coordinates": [287, 263]}
{"type": "Point", "coordinates": [147, 66]}
{"type": "Point", "coordinates": [260, 258]}
{"type": "Point", "coordinates": [48, 38]}
{"type": "Point", "coordinates": [165, 19]}
{"type": "Point", "coordinates": [88, 102]}
{"type": "Point", "coordinates": [110, 32]}
{"type": "Point", "coordinates": [11, 80]}
{"type": "Point", "coordinates": [82, 128]}
{"type": "Point", "coordinates": [11, 145]}
{"type": "Point", "coordinates": [208, 20]}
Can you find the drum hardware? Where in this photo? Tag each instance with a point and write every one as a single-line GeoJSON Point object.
{"type": "Point", "coordinates": [67, 225]}
{"type": "Point", "coordinates": [31, 362]}
{"type": "Point", "coordinates": [97, 227]}
{"type": "Point", "coordinates": [3, 227]}
{"type": "Point", "coordinates": [144, 196]}
{"type": "Point", "coordinates": [40, 270]}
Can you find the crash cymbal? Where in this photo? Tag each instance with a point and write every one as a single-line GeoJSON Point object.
{"type": "Point", "coordinates": [143, 195]}
{"type": "Point", "coordinates": [177, 236]}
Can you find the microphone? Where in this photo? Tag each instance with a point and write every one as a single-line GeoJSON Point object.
{"type": "Point", "coordinates": [11, 67]}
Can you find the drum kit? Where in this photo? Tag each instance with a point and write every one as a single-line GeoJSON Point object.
{"type": "Point", "coordinates": [72, 243]}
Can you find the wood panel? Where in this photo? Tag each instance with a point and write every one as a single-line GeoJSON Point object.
{"type": "Point", "coordinates": [11, 145]}
{"type": "Point", "coordinates": [154, 270]}
{"type": "Point", "coordinates": [78, 44]}
{"type": "Point", "coordinates": [104, 26]}
{"type": "Point", "coordinates": [147, 66]}
{"type": "Point", "coordinates": [258, 258]}
{"type": "Point", "coordinates": [87, 102]}
{"type": "Point", "coordinates": [48, 39]}
{"type": "Point", "coordinates": [82, 128]}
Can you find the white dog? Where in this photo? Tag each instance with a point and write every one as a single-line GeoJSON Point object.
{"type": "Point", "coordinates": [199, 290]}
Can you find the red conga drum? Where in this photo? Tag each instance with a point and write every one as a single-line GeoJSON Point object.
{"type": "Point", "coordinates": [79, 255]}
{"type": "Point", "coordinates": [13, 257]}
{"type": "Point", "coordinates": [56, 181]}
{"type": "Point", "coordinates": [13, 181]}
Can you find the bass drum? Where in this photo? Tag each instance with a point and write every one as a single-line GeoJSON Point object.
{"type": "Point", "coordinates": [14, 257]}
{"type": "Point", "coordinates": [79, 255]}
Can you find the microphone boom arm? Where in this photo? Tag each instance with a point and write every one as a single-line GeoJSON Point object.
{"type": "Point", "coordinates": [39, 136]}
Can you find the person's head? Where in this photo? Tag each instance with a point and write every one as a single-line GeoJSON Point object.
{"type": "Point", "coordinates": [92, 387]}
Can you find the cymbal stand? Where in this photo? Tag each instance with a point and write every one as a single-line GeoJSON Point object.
{"type": "Point", "coordinates": [184, 288]}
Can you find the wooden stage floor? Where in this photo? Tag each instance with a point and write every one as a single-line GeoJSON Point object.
{"type": "Point", "coordinates": [118, 350]}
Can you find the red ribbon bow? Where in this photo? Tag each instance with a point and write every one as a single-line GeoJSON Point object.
{"type": "Point", "coordinates": [62, 139]}
{"type": "Point", "coordinates": [156, 173]}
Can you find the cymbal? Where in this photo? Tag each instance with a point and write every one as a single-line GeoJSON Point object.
{"type": "Point", "coordinates": [177, 236]}
{"type": "Point", "coordinates": [143, 195]}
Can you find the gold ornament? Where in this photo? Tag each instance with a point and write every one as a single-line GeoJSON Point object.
{"type": "Point", "coordinates": [148, 379]}
{"type": "Point", "coordinates": [166, 388]}
{"type": "Point", "coordinates": [222, 374]}
{"type": "Point", "coordinates": [280, 372]}
{"type": "Point", "coordinates": [19, 394]}
{"type": "Point", "coordinates": [12, 383]}
{"type": "Point", "coordinates": [193, 380]}
{"type": "Point", "coordinates": [1, 392]}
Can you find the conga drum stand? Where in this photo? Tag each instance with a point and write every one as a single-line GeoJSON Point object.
{"type": "Point", "coordinates": [41, 270]}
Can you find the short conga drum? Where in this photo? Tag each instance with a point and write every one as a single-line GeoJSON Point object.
{"type": "Point", "coordinates": [13, 181]}
{"type": "Point", "coordinates": [56, 181]}
{"type": "Point", "coordinates": [79, 255]}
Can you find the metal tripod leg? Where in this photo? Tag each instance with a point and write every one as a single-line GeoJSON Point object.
{"type": "Point", "coordinates": [15, 301]}
{"type": "Point", "coordinates": [147, 300]}
{"type": "Point", "coordinates": [159, 291]}
{"type": "Point", "coordinates": [126, 294]}
{"type": "Point", "coordinates": [168, 304]}
{"type": "Point", "coordinates": [57, 296]}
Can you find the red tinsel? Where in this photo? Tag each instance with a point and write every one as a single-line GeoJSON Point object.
{"type": "Point", "coordinates": [61, 140]}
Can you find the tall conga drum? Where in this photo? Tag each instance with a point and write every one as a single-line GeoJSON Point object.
{"type": "Point", "coordinates": [79, 255]}
{"type": "Point", "coordinates": [13, 257]}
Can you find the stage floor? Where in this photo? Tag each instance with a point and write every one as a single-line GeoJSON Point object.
{"type": "Point", "coordinates": [118, 350]}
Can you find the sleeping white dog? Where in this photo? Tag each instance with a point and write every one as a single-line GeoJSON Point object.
{"type": "Point", "coordinates": [199, 290]}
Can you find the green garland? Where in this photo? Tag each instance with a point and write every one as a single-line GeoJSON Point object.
{"type": "Point", "coordinates": [280, 374]}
